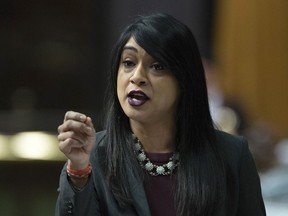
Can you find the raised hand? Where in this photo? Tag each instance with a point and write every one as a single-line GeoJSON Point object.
{"type": "Point", "coordinates": [76, 139]}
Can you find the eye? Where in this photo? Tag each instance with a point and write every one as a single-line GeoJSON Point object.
{"type": "Point", "coordinates": [128, 63]}
{"type": "Point", "coordinates": [157, 66]}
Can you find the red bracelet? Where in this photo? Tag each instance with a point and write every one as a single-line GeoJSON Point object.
{"type": "Point", "coordinates": [79, 173]}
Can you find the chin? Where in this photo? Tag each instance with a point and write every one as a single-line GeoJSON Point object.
{"type": "Point", "coordinates": [137, 117]}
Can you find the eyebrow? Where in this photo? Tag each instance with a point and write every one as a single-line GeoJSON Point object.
{"type": "Point", "coordinates": [130, 48]}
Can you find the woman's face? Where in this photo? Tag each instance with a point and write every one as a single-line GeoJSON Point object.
{"type": "Point", "coordinates": [146, 90]}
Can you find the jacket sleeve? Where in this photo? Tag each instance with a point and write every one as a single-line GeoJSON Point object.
{"type": "Point", "coordinates": [72, 202]}
{"type": "Point", "coordinates": [250, 195]}
{"type": "Point", "coordinates": [78, 203]}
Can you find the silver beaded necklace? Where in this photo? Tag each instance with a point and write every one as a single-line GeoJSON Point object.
{"type": "Point", "coordinates": [151, 168]}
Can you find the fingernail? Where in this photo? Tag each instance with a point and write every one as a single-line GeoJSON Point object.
{"type": "Point", "coordinates": [82, 117]}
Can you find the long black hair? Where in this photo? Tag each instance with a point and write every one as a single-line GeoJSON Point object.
{"type": "Point", "coordinates": [200, 176]}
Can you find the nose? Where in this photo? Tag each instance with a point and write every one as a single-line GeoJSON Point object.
{"type": "Point", "coordinates": [139, 76]}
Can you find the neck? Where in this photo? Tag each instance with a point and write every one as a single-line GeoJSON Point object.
{"type": "Point", "coordinates": [156, 138]}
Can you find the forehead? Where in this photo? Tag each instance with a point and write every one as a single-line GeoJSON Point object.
{"type": "Point", "coordinates": [132, 46]}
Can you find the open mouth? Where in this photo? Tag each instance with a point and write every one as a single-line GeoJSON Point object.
{"type": "Point", "coordinates": [137, 98]}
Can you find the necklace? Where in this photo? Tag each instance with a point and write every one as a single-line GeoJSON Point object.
{"type": "Point", "coordinates": [151, 168]}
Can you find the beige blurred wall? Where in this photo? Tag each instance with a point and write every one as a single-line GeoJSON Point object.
{"type": "Point", "coordinates": [251, 50]}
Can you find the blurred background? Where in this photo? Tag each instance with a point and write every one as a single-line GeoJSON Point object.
{"type": "Point", "coordinates": [54, 56]}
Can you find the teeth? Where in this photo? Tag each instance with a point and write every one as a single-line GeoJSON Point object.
{"type": "Point", "coordinates": [138, 96]}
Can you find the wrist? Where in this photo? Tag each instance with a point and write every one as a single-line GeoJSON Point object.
{"type": "Point", "coordinates": [78, 165]}
{"type": "Point", "coordinates": [80, 172]}
{"type": "Point", "coordinates": [78, 178]}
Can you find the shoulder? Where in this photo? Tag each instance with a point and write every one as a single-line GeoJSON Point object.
{"type": "Point", "coordinates": [242, 177]}
{"type": "Point", "coordinates": [233, 148]}
{"type": "Point", "coordinates": [229, 141]}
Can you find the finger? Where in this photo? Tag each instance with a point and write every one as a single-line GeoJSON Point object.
{"type": "Point", "coordinates": [90, 130]}
{"type": "Point", "coordinates": [89, 122]}
{"type": "Point", "coordinates": [72, 135]}
{"type": "Point", "coordinates": [68, 144]}
{"type": "Point", "coordinates": [59, 129]}
{"type": "Point", "coordinates": [71, 115]}
{"type": "Point", "coordinates": [72, 125]}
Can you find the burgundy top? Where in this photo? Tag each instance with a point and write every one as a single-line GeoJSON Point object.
{"type": "Point", "coordinates": [160, 189]}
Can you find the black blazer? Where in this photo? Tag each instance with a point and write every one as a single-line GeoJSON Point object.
{"type": "Point", "coordinates": [243, 192]}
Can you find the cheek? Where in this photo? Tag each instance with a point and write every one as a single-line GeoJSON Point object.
{"type": "Point", "coordinates": [173, 89]}
{"type": "Point", "coordinates": [121, 85]}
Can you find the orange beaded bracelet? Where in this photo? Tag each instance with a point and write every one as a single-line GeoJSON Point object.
{"type": "Point", "coordinates": [79, 173]}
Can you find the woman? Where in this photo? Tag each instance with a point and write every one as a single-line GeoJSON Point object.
{"type": "Point", "coordinates": [159, 154]}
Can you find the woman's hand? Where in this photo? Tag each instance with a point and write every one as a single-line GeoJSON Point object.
{"type": "Point", "coordinates": [76, 139]}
